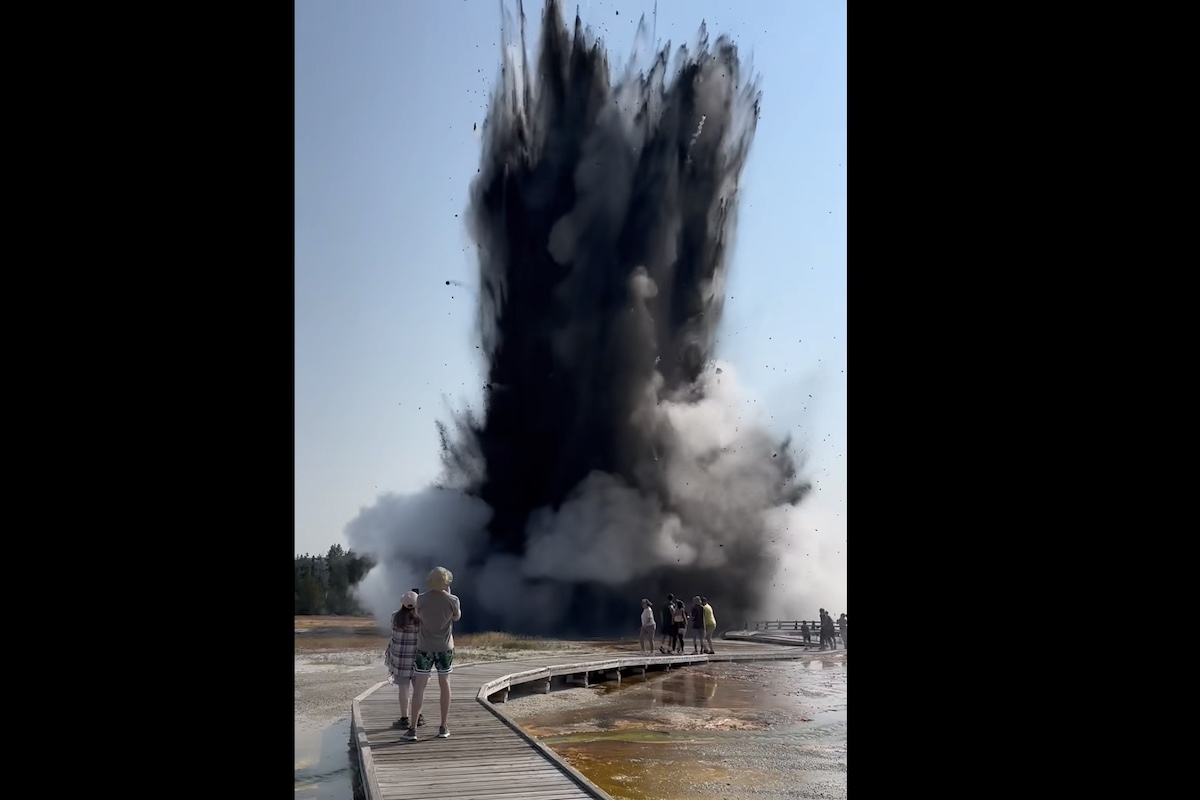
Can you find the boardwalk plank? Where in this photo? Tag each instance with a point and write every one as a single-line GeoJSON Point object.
{"type": "Point", "coordinates": [557, 795]}
{"type": "Point", "coordinates": [402, 775]}
{"type": "Point", "coordinates": [529, 759]}
{"type": "Point", "coordinates": [455, 791]}
{"type": "Point", "coordinates": [451, 754]}
{"type": "Point", "coordinates": [549, 774]}
{"type": "Point", "coordinates": [564, 794]}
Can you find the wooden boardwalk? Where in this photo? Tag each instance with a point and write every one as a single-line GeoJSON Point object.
{"type": "Point", "coordinates": [489, 757]}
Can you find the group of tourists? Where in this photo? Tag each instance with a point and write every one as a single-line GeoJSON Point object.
{"type": "Point", "coordinates": [423, 641]}
{"type": "Point", "coordinates": [826, 629]}
{"type": "Point", "coordinates": [677, 621]}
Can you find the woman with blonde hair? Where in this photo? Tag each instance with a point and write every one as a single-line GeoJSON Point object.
{"type": "Point", "coordinates": [406, 623]}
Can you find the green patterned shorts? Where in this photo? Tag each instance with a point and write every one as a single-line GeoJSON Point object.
{"type": "Point", "coordinates": [424, 662]}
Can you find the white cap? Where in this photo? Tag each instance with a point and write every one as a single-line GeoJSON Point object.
{"type": "Point", "coordinates": [409, 600]}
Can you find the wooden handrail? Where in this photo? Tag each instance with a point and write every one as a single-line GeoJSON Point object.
{"type": "Point", "coordinates": [785, 625]}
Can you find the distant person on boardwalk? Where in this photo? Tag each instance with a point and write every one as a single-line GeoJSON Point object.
{"type": "Point", "coordinates": [401, 650]}
{"type": "Point", "coordinates": [668, 636]}
{"type": "Point", "coordinates": [806, 632]}
{"type": "Point", "coordinates": [843, 624]}
{"type": "Point", "coordinates": [678, 626]}
{"type": "Point", "coordinates": [438, 610]}
{"type": "Point", "coordinates": [696, 625]}
{"type": "Point", "coordinates": [646, 637]}
{"type": "Point", "coordinates": [827, 631]}
{"type": "Point", "coordinates": [710, 624]}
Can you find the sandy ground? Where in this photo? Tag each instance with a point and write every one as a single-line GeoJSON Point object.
{"type": "Point", "coordinates": [327, 682]}
{"type": "Point", "coordinates": [526, 707]}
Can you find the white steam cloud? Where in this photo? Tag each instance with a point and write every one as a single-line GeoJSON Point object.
{"type": "Point", "coordinates": [609, 533]}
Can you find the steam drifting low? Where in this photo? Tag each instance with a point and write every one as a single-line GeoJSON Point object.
{"type": "Point", "coordinates": [611, 461]}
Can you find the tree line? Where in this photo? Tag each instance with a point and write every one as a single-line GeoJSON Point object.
{"type": "Point", "coordinates": [323, 583]}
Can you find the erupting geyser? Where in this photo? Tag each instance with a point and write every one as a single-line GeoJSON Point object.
{"type": "Point", "coordinates": [610, 462]}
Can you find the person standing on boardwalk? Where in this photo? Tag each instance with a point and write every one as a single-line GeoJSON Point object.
{"type": "Point", "coordinates": [710, 625]}
{"type": "Point", "coordinates": [646, 637]}
{"type": "Point", "coordinates": [806, 633]}
{"type": "Point", "coordinates": [665, 620]}
{"type": "Point", "coordinates": [827, 630]}
{"type": "Point", "coordinates": [401, 650]}
{"type": "Point", "coordinates": [696, 625]}
{"type": "Point", "coordinates": [843, 623]}
{"type": "Point", "coordinates": [678, 626]}
{"type": "Point", "coordinates": [438, 610]}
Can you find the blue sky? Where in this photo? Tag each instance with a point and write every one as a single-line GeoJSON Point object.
{"type": "Point", "coordinates": [387, 92]}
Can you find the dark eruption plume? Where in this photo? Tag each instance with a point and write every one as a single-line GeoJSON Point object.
{"type": "Point", "coordinates": [609, 463]}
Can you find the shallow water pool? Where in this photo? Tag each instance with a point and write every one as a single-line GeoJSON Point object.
{"type": "Point", "coordinates": [323, 762]}
{"type": "Point", "coordinates": [765, 730]}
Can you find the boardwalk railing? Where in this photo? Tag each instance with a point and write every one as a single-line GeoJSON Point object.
{"type": "Point", "coordinates": [792, 626]}
{"type": "Point", "coordinates": [785, 625]}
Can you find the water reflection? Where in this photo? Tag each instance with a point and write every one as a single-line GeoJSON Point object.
{"type": "Point", "coordinates": [691, 688]}
{"type": "Point", "coordinates": [323, 762]}
{"type": "Point", "coordinates": [703, 687]}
